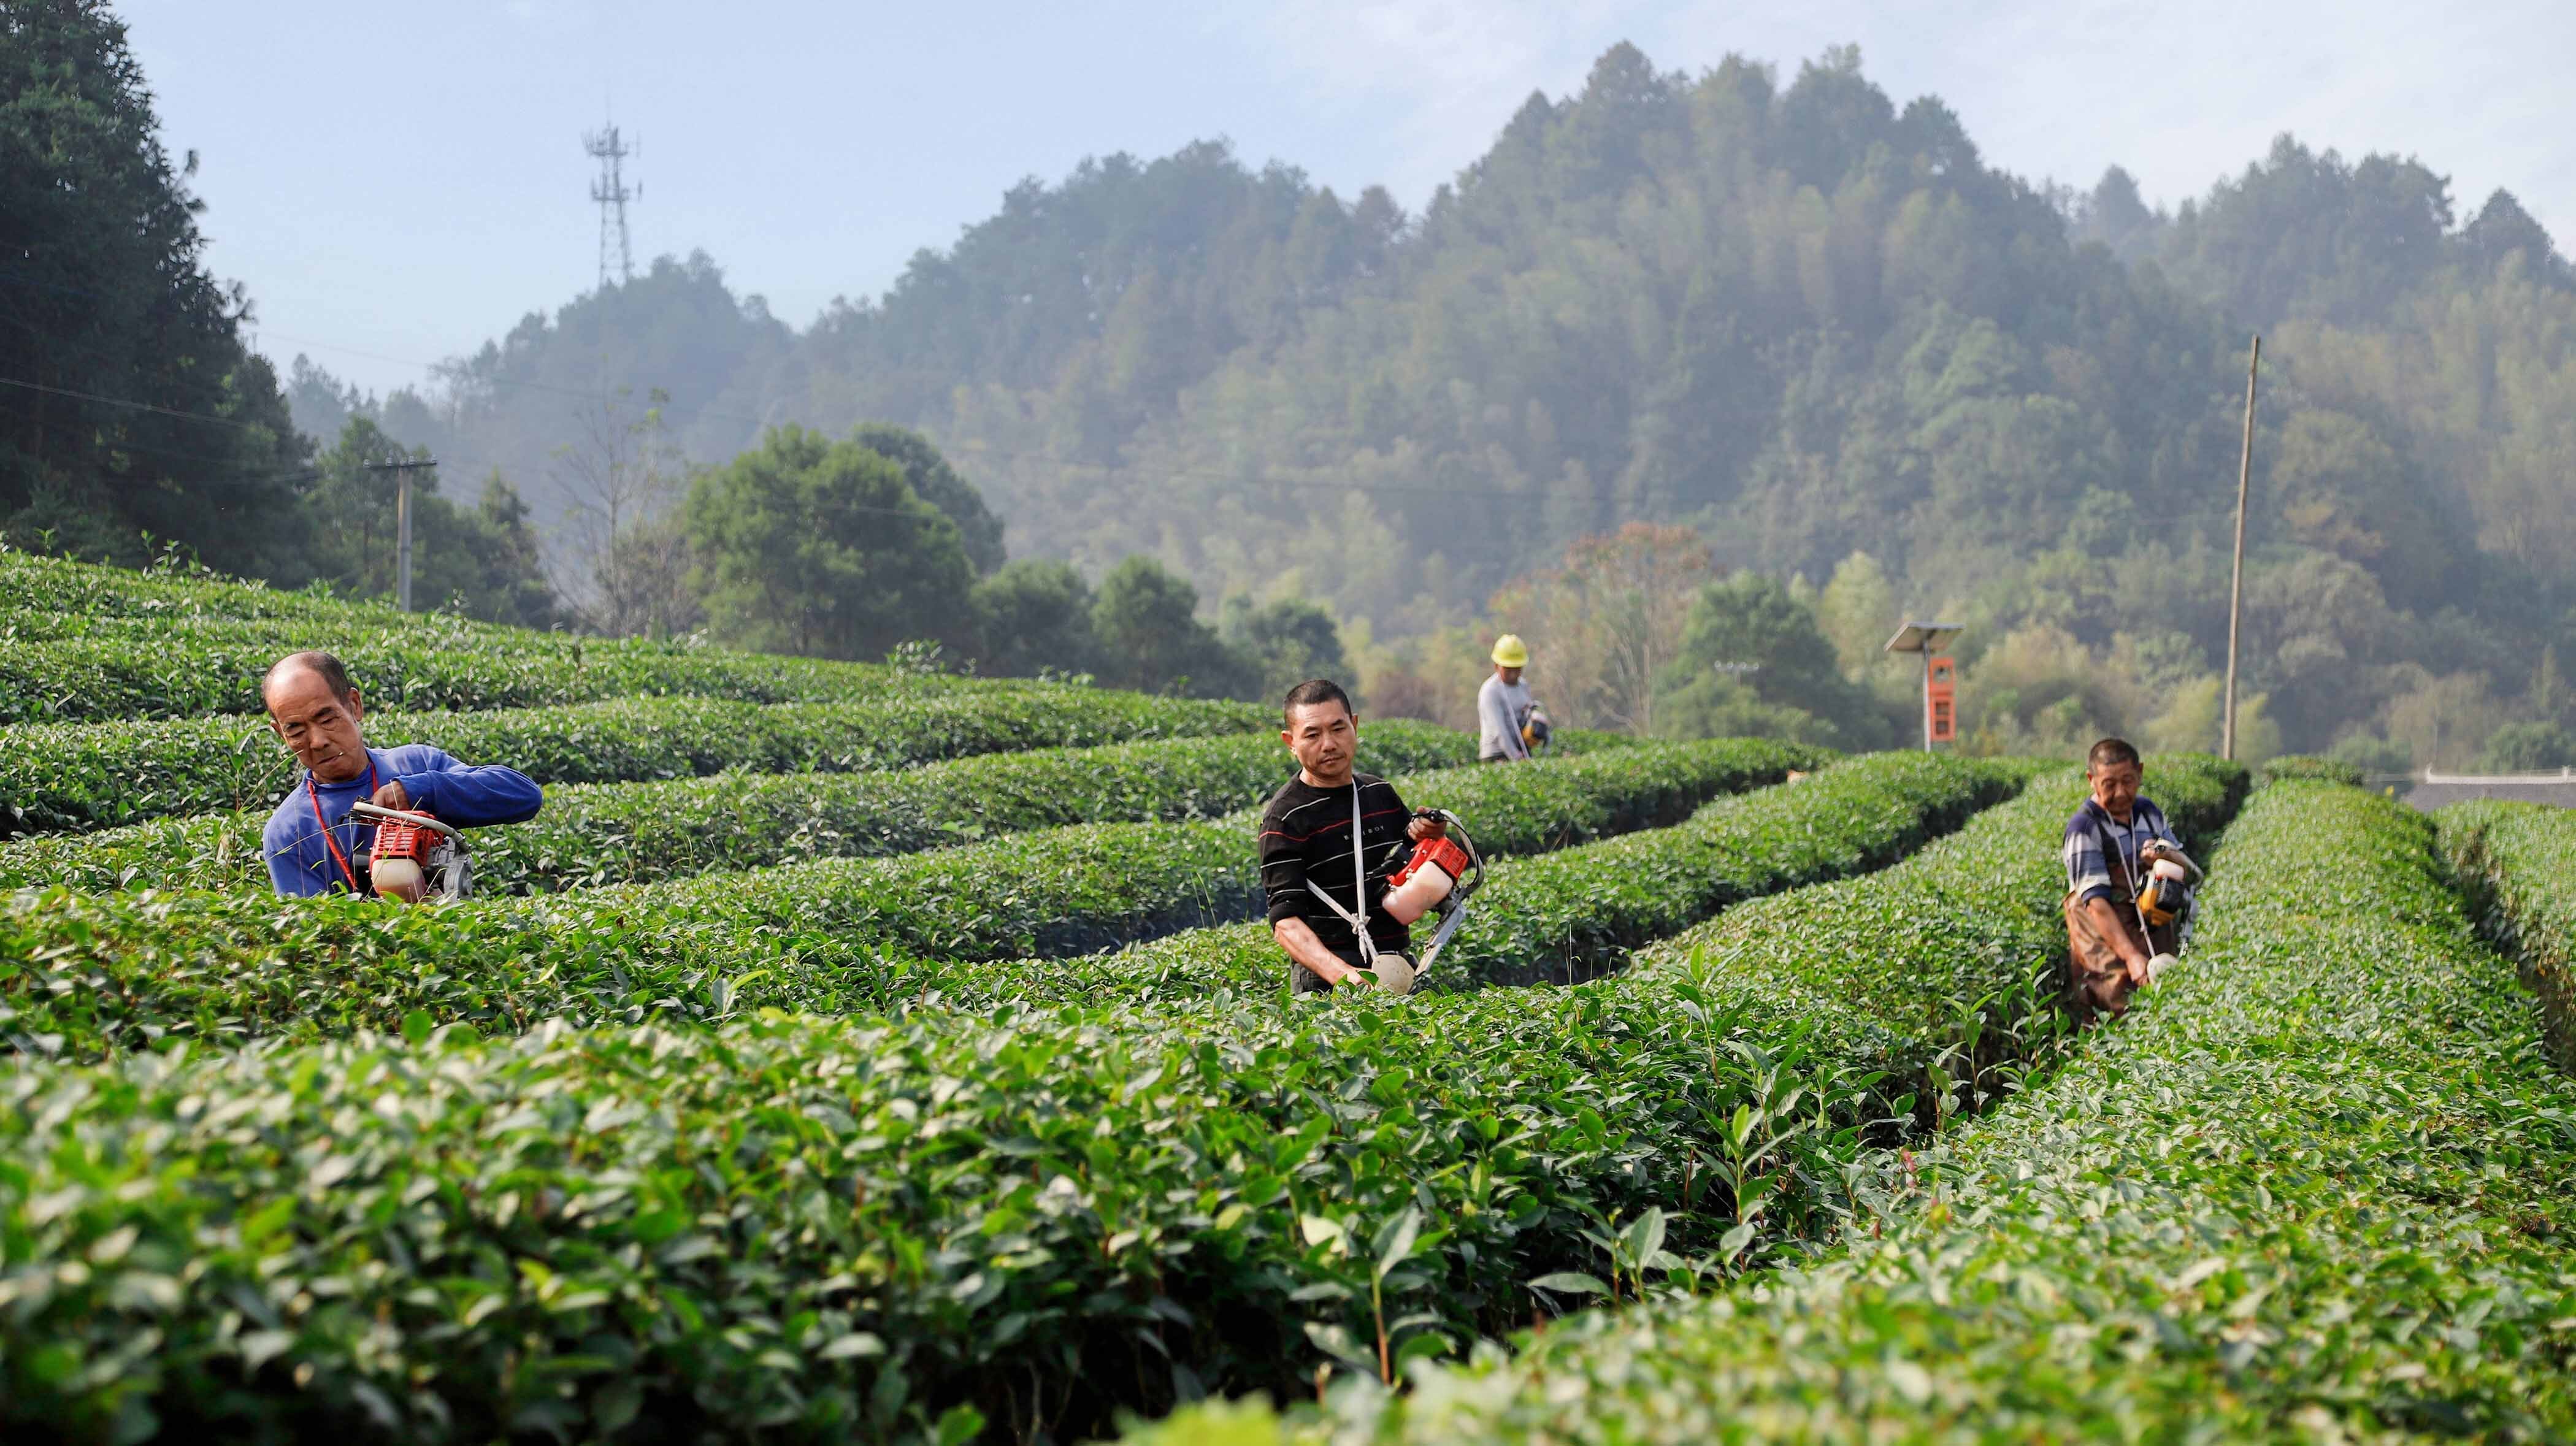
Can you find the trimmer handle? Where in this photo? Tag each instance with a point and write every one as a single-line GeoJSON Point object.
{"type": "Point", "coordinates": [2185, 860]}
{"type": "Point", "coordinates": [365, 810]}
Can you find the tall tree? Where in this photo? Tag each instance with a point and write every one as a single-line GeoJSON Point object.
{"type": "Point", "coordinates": [1749, 640]}
{"type": "Point", "coordinates": [1035, 618]}
{"type": "Point", "coordinates": [1284, 643]}
{"type": "Point", "coordinates": [621, 555]}
{"type": "Point", "coordinates": [806, 545]}
{"type": "Point", "coordinates": [938, 484]}
{"type": "Point", "coordinates": [129, 408]}
{"type": "Point", "coordinates": [1603, 628]}
{"type": "Point", "coordinates": [1146, 619]}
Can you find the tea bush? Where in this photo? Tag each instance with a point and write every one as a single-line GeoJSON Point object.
{"type": "Point", "coordinates": [2518, 862]}
{"type": "Point", "coordinates": [2315, 1188]}
{"type": "Point", "coordinates": [90, 973]}
{"type": "Point", "coordinates": [59, 587]}
{"type": "Point", "coordinates": [1576, 916]}
{"type": "Point", "coordinates": [641, 832]}
{"type": "Point", "coordinates": [55, 586]}
{"type": "Point", "coordinates": [810, 1228]}
{"type": "Point", "coordinates": [187, 668]}
{"type": "Point", "coordinates": [1944, 971]}
{"type": "Point", "coordinates": [100, 775]}
{"type": "Point", "coordinates": [2310, 767]}
{"type": "Point", "coordinates": [1578, 912]}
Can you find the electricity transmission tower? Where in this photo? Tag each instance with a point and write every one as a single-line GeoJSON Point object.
{"type": "Point", "coordinates": [612, 193]}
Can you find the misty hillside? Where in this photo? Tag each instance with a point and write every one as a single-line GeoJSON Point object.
{"type": "Point", "coordinates": [1799, 316]}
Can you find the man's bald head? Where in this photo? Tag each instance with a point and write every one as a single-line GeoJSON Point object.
{"type": "Point", "coordinates": [314, 711]}
{"type": "Point", "coordinates": [333, 673]}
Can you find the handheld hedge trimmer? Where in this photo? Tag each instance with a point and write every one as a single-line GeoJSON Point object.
{"type": "Point", "coordinates": [1454, 854]}
{"type": "Point", "coordinates": [1454, 859]}
{"type": "Point", "coordinates": [2166, 898]}
{"type": "Point", "coordinates": [1535, 729]}
{"type": "Point", "coordinates": [416, 857]}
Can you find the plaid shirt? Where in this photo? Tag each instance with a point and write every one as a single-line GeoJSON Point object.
{"type": "Point", "coordinates": [2088, 871]}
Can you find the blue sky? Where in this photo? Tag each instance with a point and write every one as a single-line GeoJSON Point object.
{"type": "Point", "coordinates": [397, 183]}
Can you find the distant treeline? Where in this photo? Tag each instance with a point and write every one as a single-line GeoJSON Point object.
{"type": "Point", "coordinates": [1804, 323]}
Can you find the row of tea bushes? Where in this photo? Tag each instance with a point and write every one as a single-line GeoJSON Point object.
{"type": "Point", "coordinates": [85, 974]}
{"type": "Point", "coordinates": [2519, 863]}
{"type": "Point", "coordinates": [1832, 1016]}
{"type": "Point", "coordinates": [1575, 917]}
{"type": "Point", "coordinates": [43, 587]}
{"type": "Point", "coordinates": [803, 1227]}
{"type": "Point", "coordinates": [592, 834]}
{"type": "Point", "coordinates": [2315, 1188]}
{"type": "Point", "coordinates": [1945, 971]}
{"type": "Point", "coordinates": [188, 669]}
{"type": "Point", "coordinates": [79, 776]}
{"type": "Point", "coordinates": [1859, 815]}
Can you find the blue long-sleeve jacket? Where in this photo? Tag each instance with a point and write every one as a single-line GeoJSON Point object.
{"type": "Point", "coordinates": [301, 864]}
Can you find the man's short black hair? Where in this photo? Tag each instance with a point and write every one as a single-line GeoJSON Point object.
{"type": "Point", "coordinates": [1312, 692]}
{"type": "Point", "coordinates": [333, 672]}
{"type": "Point", "coordinates": [2111, 753]}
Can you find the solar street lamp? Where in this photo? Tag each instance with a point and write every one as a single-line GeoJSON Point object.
{"type": "Point", "coordinates": [1940, 677]}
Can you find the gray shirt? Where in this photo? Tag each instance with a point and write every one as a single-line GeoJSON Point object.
{"type": "Point", "coordinates": [1500, 707]}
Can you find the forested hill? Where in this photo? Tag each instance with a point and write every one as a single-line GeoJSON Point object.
{"type": "Point", "coordinates": [1798, 316]}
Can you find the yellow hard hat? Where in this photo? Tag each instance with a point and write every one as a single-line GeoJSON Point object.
{"type": "Point", "coordinates": [1510, 651]}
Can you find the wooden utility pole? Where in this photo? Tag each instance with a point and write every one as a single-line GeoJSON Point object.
{"type": "Point", "coordinates": [2236, 574]}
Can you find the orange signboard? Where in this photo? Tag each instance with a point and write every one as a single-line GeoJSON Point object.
{"type": "Point", "coordinates": [1940, 701]}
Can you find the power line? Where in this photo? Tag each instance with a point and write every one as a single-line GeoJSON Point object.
{"type": "Point", "coordinates": [240, 426]}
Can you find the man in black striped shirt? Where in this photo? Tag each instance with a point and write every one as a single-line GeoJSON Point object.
{"type": "Point", "coordinates": [1315, 882]}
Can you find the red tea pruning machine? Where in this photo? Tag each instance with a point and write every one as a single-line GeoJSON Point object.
{"type": "Point", "coordinates": [1451, 858]}
{"type": "Point", "coordinates": [417, 859]}
{"type": "Point", "coordinates": [1454, 855]}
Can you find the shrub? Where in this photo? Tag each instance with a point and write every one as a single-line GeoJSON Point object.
{"type": "Point", "coordinates": [2309, 767]}
{"type": "Point", "coordinates": [86, 974]}
{"type": "Point", "coordinates": [1036, 1214]}
{"type": "Point", "coordinates": [188, 667]}
{"type": "Point", "coordinates": [1943, 972]}
{"type": "Point", "coordinates": [98, 775]}
{"type": "Point", "coordinates": [2314, 1188]}
{"type": "Point", "coordinates": [590, 834]}
{"type": "Point", "coordinates": [53, 586]}
{"type": "Point", "coordinates": [1576, 913]}
{"type": "Point", "coordinates": [2518, 862]}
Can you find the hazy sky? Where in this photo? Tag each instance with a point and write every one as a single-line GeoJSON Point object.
{"type": "Point", "coordinates": [398, 183]}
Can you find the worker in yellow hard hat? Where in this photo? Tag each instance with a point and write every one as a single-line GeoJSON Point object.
{"type": "Point", "coordinates": [1509, 724]}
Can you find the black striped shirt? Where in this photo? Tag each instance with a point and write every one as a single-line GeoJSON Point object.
{"type": "Point", "coordinates": [1306, 839]}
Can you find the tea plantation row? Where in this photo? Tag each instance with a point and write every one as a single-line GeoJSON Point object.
{"type": "Point", "coordinates": [188, 669]}
{"type": "Point", "coordinates": [809, 1227]}
{"type": "Point", "coordinates": [86, 973]}
{"type": "Point", "coordinates": [1850, 819]}
{"type": "Point", "coordinates": [34, 584]}
{"type": "Point", "coordinates": [2315, 1188]}
{"type": "Point", "coordinates": [2519, 863]}
{"type": "Point", "coordinates": [99, 775]}
{"type": "Point", "coordinates": [641, 832]}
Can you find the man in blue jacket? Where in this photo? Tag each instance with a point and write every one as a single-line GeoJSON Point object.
{"type": "Point", "coordinates": [311, 843]}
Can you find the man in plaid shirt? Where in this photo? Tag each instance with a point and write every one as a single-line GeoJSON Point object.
{"type": "Point", "coordinates": [2110, 843]}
